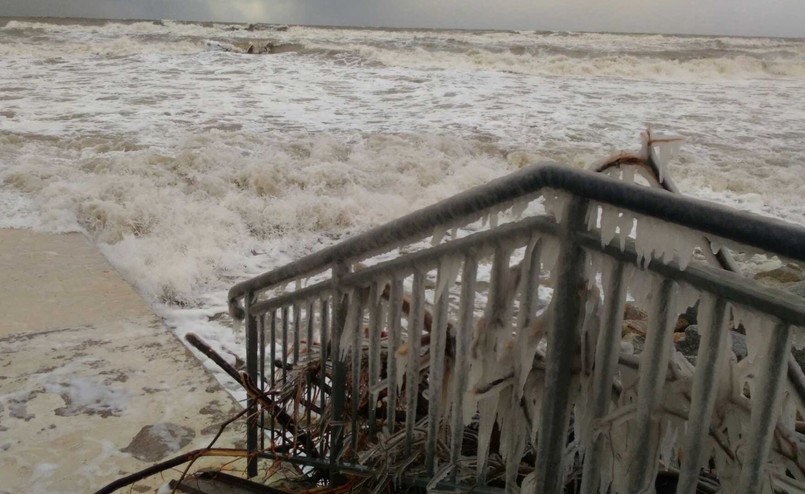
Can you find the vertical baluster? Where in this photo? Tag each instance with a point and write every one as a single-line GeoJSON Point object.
{"type": "Point", "coordinates": [491, 336]}
{"type": "Point", "coordinates": [606, 361]}
{"type": "Point", "coordinates": [395, 315]}
{"type": "Point", "coordinates": [284, 344]}
{"type": "Point", "coordinates": [297, 329]}
{"type": "Point", "coordinates": [272, 375]}
{"type": "Point", "coordinates": [462, 362]}
{"type": "Point", "coordinates": [703, 394]}
{"type": "Point", "coordinates": [762, 423]}
{"type": "Point", "coordinates": [339, 369]}
{"type": "Point", "coordinates": [323, 356]}
{"type": "Point", "coordinates": [359, 299]}
{"type": "Point", "coordinates": [567, 305]}
{"type": "Point", "coordinates": [529, 290]}
{"type": "Point", "coordinates": [375, 328]}
{"type": "Point", "coordinates": [251, 370]}
{"type": "Point", "coordinates": [261, 335]}
{"type": "Point", "coordinates": [438, 338]}
{"type": "Point", "coordinates": [653, 368]}
{"type": "Point", "coordinates": [414, 349]}
{"type": "Point", "coordinates": [529, 299]}
{"type": "Point", "coordinates": [310, 378]}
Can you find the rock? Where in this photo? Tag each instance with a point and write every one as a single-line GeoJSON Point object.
{"type": "Point", "coordinates": [632, 312]}
{"type": "Point", "coordinates": [689, 345]}
{"type": "Point", "coordinates": [681, 324]}
{"type": "Point", "coordinates": [692, 314]}
{"type": "Point", "coordinates": [634, 327]}
{"type": "Point", "coordinates": [789, 273]}
{"type": "Point", "coordinates": [739, 345]}
{"type": "Point", "coordinates": [155, 442]}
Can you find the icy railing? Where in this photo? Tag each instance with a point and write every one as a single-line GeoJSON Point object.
{"type": "Point", "coordinates": [492, 356]}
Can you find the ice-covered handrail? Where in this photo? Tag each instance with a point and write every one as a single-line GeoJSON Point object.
{"type": "Point", "coordinates": [768, 234]}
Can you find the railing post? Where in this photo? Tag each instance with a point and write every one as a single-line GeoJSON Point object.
{"type": "Point", "coordinates": [606, 361]}
{"type": "Point", "coordinates": [567, 306]}
{"type": "Point", "coordinates": [251, 370]}
{"type": "Point", "coordinates": [763, 421]}
{"type": "Point", "coordinates": [339, 370]}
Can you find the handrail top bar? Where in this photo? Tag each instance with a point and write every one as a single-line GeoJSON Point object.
{"type": "Point", "coordinates": [768, 234]}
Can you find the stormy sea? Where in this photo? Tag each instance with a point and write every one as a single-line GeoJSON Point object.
{"type": "Point", "coordinates": [195, 155]}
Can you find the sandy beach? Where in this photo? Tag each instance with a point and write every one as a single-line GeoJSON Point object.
{"type": "Point", "coordinates": [93, 385]}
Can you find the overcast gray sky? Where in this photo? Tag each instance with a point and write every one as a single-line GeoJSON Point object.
{"type": "Point", "coordinates": [739, 17]}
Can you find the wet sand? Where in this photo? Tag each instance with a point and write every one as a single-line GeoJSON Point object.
{"type": "Point", "coordinates": [92, 385]}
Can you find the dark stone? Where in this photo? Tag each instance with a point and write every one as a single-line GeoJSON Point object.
{"type": "Point", "coordinates": [739, 345]}
{"type": "Point", "coordinates": [632, 312]}
{"type": "Point", "coordinates": [689, 345]}
{"type": "Point", "coordinates": [790, 273]}
{"type": "Point", "coordinates": [157, 441]}
{"type": "Point", "coordinates": [692, 314]}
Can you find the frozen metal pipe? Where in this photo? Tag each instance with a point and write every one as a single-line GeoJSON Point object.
{"type": "Point", "coordinates": [395, 315]}
{"type": "Point", "coordinates": [251, 369]}
{"type": "Point", "coordinates": [461, 363]}
{"type": "Point", "coordinates": [650, 387]}
{"type": "Point", "coordinates": [775, 236]}
{"type": "Point", "coordinates": [358, 304]}
{"type": "Point", "coordinates": [284, 349]}
{"type": "Point", "coordinates": [414, 349]}
{"type": "Point", "coordinates": [703, 395]}
{"type": "Point", "coordinates": [438, 338]}
{"type": "Point", "coordinates": [606, 361]}
{"type": "Point", "coordinates": [561, 348]}
{"type": "Point", "coordinates": [764, 406]}
{"type": "Point", "coordinates": [375, 330]}
{"type": "Point", "coordinates": [297, 329]}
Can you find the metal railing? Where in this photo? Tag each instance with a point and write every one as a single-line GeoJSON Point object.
{"type": "Point", "coordinates": [399, 369]}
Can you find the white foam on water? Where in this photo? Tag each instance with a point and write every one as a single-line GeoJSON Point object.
{"type": "Point", "coordinates": [193, 169]}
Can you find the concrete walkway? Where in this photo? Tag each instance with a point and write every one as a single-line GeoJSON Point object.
{"type": "Point", "coordinates": [92, 385]}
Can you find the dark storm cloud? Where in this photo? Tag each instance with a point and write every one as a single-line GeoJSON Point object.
{"type": "Point", "coordinates": [742, 17]}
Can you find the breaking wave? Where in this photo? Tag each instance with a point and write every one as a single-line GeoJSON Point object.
{"type": "Point", "coordinates": [181, 222]}
{"type": "Point", "coordinates": [578, 63]}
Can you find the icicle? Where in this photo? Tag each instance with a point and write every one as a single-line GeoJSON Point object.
{"type": "Point", "coordinates": [487, 409]}
{"type": "Point", "coordinates": [609, 223]}
{"type": "Point", "coordinates": [668, 444]}
{"type": "Point", "coordinates": [644, 245]}
{"type": "Point", "coordinates": [349, 326]}
{"type": "Point", "coordinates": [758, 328]}
{"type": "Point", "coordinates": [626, 227]}
{"type": "Point", "coordinates": [687, 296]}
{"type": "Point", "coordinates": [493, 218]}
{"type": "Point", "coordinates": [448, 268]}
{"type": "Point", "coordinates": [556, 203]}
{"type": "Point", "coordinates": [550, 253]}
{"type": "Point", "coordinates": [438, 235]}
{"type": "Point", "coordinates": [593, 216]}
{"type": "Point", "coordinates": [533, 394]}
{"type": "Point", "coordinates": [715, 246]}
{"type": "Point", "coordinates": [519, 207]}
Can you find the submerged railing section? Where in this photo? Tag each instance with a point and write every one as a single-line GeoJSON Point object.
{"type": "Point", "coordinates": [493, 356]}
